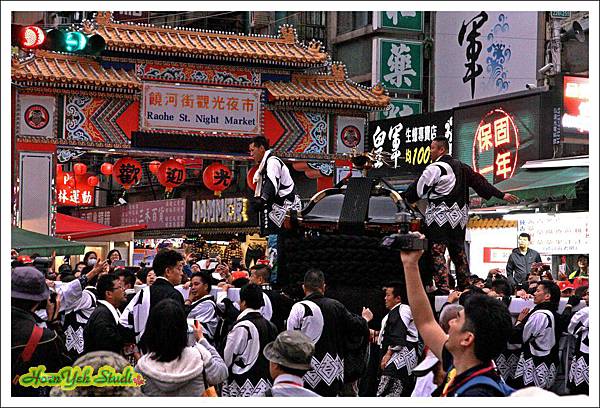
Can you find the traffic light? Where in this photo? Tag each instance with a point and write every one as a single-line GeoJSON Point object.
{"type": "Point", "coordinates": [31, 37]}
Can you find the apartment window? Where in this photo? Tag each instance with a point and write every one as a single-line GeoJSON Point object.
{"type": "Point", "coordinates": [348, 21]}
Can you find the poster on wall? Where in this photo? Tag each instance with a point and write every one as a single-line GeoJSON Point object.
{"type": "Point", "coordinates": [194, 108]}
{"type": "Point", "coordinates": [557, 234]}
{"type": "Point", "coordinates": [349, 134]}
{"type": "Point", "coordinates": [481, 54]}
{"type": "Point", "coordinates": [37, 115]}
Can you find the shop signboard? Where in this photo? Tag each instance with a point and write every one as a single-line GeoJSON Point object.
{"type": "Point", "coordinates": [496, 138]}
{"type": "Point", "coordinates": [201, 109]}
{"type": "Point", "coordinates": [398, 64]}
{"type": "Point", "coordinates": [408, 139]}
{"type": "Point", "coordinates": [74, 191]}
{"type": "Point", "coordinates": [219, 211]}
{"type": "Point", "coordinates": [110, 216]}
{"type": "Point", "coordinates": [481, 54]}
{"type": "Point", "coordinates": [158, 214]}
{"type": "Point", "coordinates": [399, 20]}
{"type": "Point", "coordinates": [400, 108]}
{"type": "Point", "coordinates": [577, 111]}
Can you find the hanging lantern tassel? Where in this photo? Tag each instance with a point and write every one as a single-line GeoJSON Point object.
{"type": "Point", "coordinates": [217, 193]}
{"type": "Point", "coordinates": [168, 189]}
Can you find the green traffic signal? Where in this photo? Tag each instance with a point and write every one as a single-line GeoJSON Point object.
{"type": "Point", "coordinates": [74, 42]}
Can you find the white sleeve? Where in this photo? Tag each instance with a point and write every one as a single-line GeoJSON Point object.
{"type": "Point", "coordinates": [536, 324]}
{"type": "Point", "coordinates": [237, 340]}
{"type": "Point", "coordinates": [294, 321]}
{"type": "Point", "coordinates": [71, 296]}
{"type": "Point", "coordinates": [124, 319]}
{"type": "Point", "coordinates": [428, 179]}
{"type": "Point", "coordinates": [274, 172]}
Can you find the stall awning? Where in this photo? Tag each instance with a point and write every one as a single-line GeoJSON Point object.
{"type": "Point", "coordinates": [545, 183]}
{"type": "Point", "coordinates": [30, 242]}
{"type": "Point", "coordinates": [77, 228]}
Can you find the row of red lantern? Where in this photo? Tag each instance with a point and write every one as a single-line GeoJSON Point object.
{"type": "Point", "coordinates": [79, 169]}
{"type": "Point", "coordinates": [170, 173]}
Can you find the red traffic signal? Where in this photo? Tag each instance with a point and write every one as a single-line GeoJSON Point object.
{"type": "Point", "coordinates": [31, 37]}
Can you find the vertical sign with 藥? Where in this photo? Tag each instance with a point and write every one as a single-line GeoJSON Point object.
{"type": "Point", "coordinates": [400, 108]}
{"type": "Point", "coordinates": [399, 20]}
{"type": "Point", "coordinates": [398, 64]}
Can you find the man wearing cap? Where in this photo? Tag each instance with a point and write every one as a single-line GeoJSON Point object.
{"type": "Point", "coordinates": [33, 341]}
{"type": "Point", "coordinates": [289, 358]}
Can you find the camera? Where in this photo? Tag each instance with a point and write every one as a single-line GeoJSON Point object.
{"type": "Point", "coordinates": [546, 68]}
{"type": "Point", "coordinates": [403, 241]}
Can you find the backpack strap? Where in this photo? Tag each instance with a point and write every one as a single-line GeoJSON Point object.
{"type": "Point", "coordinates": [27, 353]}
{"type": "Point", "coordinates": [501, 386]}
{"type": "Point", "coordinates": [34, 339]}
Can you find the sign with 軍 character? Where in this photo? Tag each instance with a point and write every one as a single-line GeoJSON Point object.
{"type": "Point", "coordinates": [194, 108]}
{"type": "Point", "coordinates": [408, 139]}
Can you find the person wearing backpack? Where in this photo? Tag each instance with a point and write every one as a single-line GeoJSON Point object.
{"type": "Point", "coordinates": [33, 341]}
{"type": "Point", "coordinates": [475, 337]}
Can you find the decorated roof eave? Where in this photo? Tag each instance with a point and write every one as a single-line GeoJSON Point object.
{"type": "Point", "coordinates": [326, 105]}
{"type": "Point", "coordinates": [72, 87]}
{"type": "Point", "coordinates": [284, 49]}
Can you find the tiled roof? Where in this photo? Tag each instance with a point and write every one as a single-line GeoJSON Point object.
{"type": "Point", "coordinates": [333, 88]}
{"type": "Point", "coordinates": [145, 38]}
{"type": "Point", "coordinates": [46, 66]}
{"type": "Point", "coordinates": [491, 223]}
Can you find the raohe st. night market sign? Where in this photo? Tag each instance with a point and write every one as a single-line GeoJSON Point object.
{"type": "Point", "coordinates": [193, 108]}
{"type": "Point", "coordinates": [496, 145]}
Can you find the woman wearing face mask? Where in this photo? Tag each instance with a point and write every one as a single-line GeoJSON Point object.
{"type": "Point", "coordinates": [90, 258]}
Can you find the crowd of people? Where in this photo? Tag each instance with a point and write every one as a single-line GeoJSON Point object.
{"type": "Point", "coordinates": [175, 323]}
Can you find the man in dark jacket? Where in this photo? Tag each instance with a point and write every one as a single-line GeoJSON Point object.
{"type": "Point", "coordinates": [102, 331]}
{"type": "Point", "coordinates": [328, 324]}
{"type": "Point", "coordinates": [168, 267]}
{"type": "Point", "coordinates": [33, 342]}
{"type": "Point", "coordinates": [445, 184]}
{"type": "Point", "coordinates": [520, 261]}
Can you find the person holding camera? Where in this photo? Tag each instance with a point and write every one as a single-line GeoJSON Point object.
{"type": "Point", "coordinates": [445, 184]}
{"type": "Point", "coordinates": [475, 337]}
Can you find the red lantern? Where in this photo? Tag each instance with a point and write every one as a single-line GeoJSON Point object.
{"type": "Point", "coordinates": [171, 174]}
{"type": "Point", "coordinates": [127, 171]}
{"type": "Point", "coordinates": [180, 161]}
{"type": "Point", "coordinates": [106, 169]}
{"type": "Point", "coordinates": [217, 177]}
{"type": "Point", "coordinates": [153, 166]}
{"type": "Point", "coordinates": [250, 178]}
{"type": "Point", "coordinates": [79, 169]}
{"type": "Point", "coordinates": [92, 181]}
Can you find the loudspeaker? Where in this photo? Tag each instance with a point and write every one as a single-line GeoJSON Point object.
{"type": "Point", "coordinates": [576, 32]}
